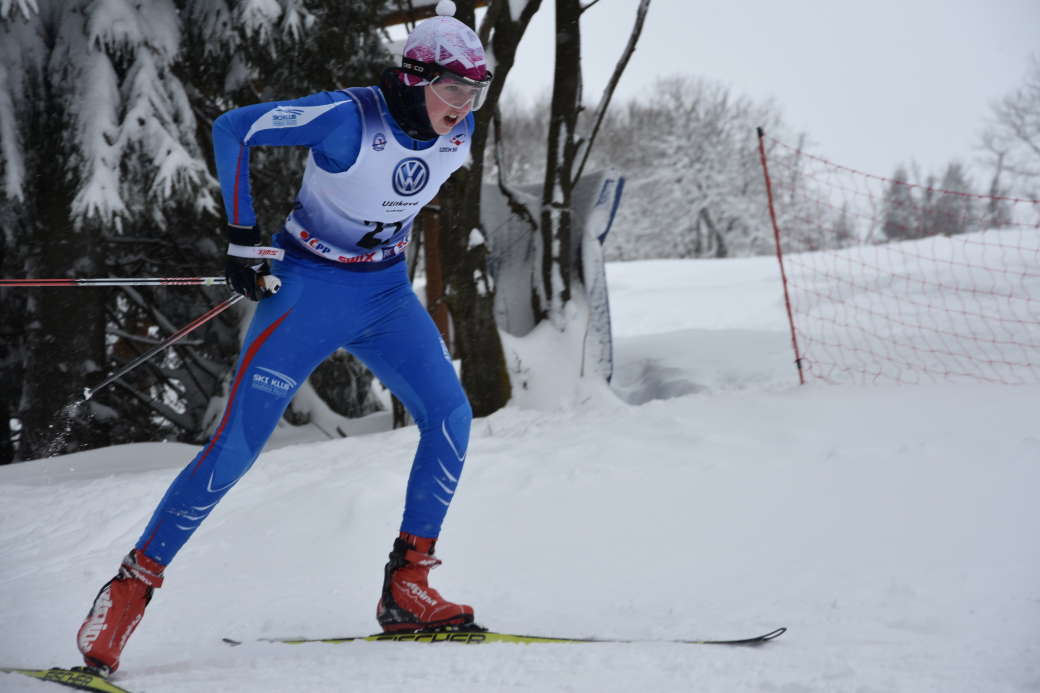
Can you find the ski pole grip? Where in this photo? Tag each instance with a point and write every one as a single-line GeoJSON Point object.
{"type": "Point", "coordinates": [269, 283]}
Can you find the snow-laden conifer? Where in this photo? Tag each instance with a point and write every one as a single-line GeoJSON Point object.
{"type": "Point", "coordinates": [106, 168]}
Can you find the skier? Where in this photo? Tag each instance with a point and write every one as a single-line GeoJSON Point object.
{"type": "Point", "coordinates": [377, 156]}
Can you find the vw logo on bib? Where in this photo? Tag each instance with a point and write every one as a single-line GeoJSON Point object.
{"type": "Point", "coordinates": [410, 177]}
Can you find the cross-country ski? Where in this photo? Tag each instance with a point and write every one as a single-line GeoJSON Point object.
{"type": "Point", "coordinates": [479, 636]}
{"type": "Point", "coordinates": [69, 678]}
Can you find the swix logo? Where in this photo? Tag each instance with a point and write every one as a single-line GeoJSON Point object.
{"type": "Point", "coordinates": [420, 594]}
{"type": "Point", "coordinates": [367, 257]}
{"type": "Point", "coordinates": [91, 630]}
{"type": "Point", "coordinates": [410, 177]}
{"type": "Point", "coordinates": [266, 252]}
{"type": "Point", "coordinates": [284, 117]}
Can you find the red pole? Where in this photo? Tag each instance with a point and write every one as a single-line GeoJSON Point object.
{"type": "Point", "coordinates": [780, 256]}
{"type": "Point", "coordinates": [90, 391]}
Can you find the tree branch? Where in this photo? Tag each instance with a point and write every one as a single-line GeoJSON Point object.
{"type": "Point", "coordinates": [608, 91]}
{"type": "Point", "coordinates": [174, 417]}
{"type": "Point", "coordinates": [518, 208]}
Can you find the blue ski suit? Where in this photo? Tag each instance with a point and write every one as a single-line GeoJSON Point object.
{"type": "Point", "coordinates": [344, 285]}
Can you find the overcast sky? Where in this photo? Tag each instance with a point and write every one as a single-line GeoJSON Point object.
{"type": "Point", "coordinates": [873, 83]}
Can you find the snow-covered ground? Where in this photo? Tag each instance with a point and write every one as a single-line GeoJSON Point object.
{"type": "Point", "coordinates": [893, 530]}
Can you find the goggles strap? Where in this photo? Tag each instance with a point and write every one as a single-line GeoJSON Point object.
{"type": "Point", "coordinates": [419, 69]}
{"type": "Point", "coordinates": [428, 71]}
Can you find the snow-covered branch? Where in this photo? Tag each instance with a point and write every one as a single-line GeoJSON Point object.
{"type": "Point", "coordinates": [518, 207]}
{"type": "Point", "coordinates": [608, 92]}
{"type": "Point", "coordinates": [26, 7]}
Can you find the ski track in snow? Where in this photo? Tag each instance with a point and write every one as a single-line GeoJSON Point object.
{"type": "Point", "coordinates": [891, 529]}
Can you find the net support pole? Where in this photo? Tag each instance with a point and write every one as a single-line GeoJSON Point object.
{"type": "Point", "coordinates": [780, 256]}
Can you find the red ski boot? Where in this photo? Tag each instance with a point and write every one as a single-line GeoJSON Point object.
{"type": "Point", "coordinates": [409, 603]}
{"type": "Point", "coordinates": [117, 610]}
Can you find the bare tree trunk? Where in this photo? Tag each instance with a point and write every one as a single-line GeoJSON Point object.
{"type": "Point", "coordinates": [567, 154]}
{"type": "Point", "coordinates": [553, 290]}
{"type": "Point", "coordinates": [469, 292]}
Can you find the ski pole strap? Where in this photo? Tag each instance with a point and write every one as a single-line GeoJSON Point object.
{"type": "Point", "coordinates": [260, 252]}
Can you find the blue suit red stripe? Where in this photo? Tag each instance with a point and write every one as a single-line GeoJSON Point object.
{"type": "Point", "coordinates": [242, 368]}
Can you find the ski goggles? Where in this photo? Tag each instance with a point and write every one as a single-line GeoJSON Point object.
{"type": "Point", "coordinates": [451, 88]}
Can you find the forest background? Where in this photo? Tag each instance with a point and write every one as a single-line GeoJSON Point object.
{"type": "Point", "coordinates": [106, 170]}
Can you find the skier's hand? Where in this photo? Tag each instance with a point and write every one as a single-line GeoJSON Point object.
{"type": "Point", "coordinates": [247, 270]}
{"type": "Point", "coordinates": [246, 278]}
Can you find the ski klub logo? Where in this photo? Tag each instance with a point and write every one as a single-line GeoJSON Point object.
{"type": "Point", "coordinates": [379, 142]}
{"type": "Point", "coordinates": [285, 117]}
{"type": "Point", "coordinates": [272, 382]}
{"type": "Point", "coordinates": [410, 177]}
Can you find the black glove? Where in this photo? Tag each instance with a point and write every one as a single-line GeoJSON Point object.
{"type": "Point", "coordinates": [246, 263]}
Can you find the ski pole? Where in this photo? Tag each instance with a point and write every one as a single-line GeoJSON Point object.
{"type": "Point", "coordinates": [117, 281]}
{"type": "Point", "coordinates": [269, 284]}
{"type": "Point", "coordinates": [89, 392]}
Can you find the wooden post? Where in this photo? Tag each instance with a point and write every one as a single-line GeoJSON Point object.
{"type": "Point", "coordinates": [435, 304]}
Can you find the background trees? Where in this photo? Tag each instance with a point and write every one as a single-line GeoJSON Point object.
{"type": "Point", "coordinates": [105, 168]}
{"type": "Point", "coordinates": [689, 154]}
{"type": "Point", "coordinates": [940, 207]}
{"type": "Point", "coordinates": [1011, 147]}
{"type": "Point", "coordinates": [105, 160]}
{"type": "Point", "coordinates": [1012, 137]}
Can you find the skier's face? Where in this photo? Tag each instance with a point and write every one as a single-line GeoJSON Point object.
{"type": "Point", "coordinates": [443, 116]}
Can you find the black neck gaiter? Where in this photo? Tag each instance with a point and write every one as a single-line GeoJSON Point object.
{"type": "Point", "coordinates": [407, 106]}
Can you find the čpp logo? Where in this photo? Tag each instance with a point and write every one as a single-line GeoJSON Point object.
{"type": "Point", "coordinates": [410, 177]}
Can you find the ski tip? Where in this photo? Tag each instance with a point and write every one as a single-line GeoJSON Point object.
{"type": "Point", "coordinates": [772, 635]}
{"type": "Point", "coordinates": [80, 678]}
